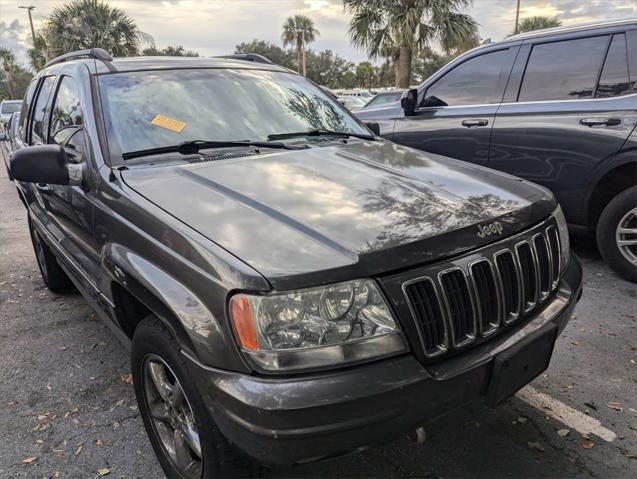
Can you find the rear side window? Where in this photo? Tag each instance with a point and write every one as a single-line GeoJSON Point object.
{"type": "Point", "coordinates": [40, 110]}
{"type": "Point", "coordinates": [24, 113]}
{"type": "Point", "coordinates": [614, 80]}
{"type": "Point", "coordinates": [564, 70]}
{"type": "Point", "coordinates": [478, 80]}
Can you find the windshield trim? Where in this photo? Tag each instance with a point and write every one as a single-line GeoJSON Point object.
{"type": "Point", "coordinates": [114, 156]}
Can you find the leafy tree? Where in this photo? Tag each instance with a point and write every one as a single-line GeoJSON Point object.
{"type": "Point", "coordinates": [83, 24]}
{"type": "Point", "coordinates": [408, 25]}
{"type": "Point", "coordinates": [329, 69]}
{"type": "Point", "coordinates": [365, 74]}
{"type": "Point", "coordinates": [537, 23]}
{"type": "Point", "coordinates": [169, 51]}
{"type": "Point", "coordinates": [299, 31]}
{"type": "Point", "coordinates": [14, 79]}
{"type": "Point", "coordinates": [272, 52]}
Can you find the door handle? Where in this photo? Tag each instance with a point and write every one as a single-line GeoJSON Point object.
{"type": "Point", "coordinates": [43, 188]}
{"type": "Point", "coordinates": [600, 121]}
{"type": "Point", "coordinates": [474, 122]}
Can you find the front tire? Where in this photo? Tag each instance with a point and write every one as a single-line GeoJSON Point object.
{"type": "Point", "coordinates": [183, 434]}
{"type": "Point", "coordinates": [617, 234]}
{"type": "Point", "coordinates": [53, 276]}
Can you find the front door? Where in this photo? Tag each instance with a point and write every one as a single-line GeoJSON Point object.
{"type": "Point", "coordinates": [457, 110]}
{"type": "Point", "coordinates": [68, 212]}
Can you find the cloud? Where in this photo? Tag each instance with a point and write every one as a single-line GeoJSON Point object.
{"type": "Point", "coordinates": [214, 27]}
{"type": "Point", "coordinates": [14, 36]}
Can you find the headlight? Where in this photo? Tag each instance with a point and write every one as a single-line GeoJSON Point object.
{"type": "Point", "coordinates": [316, 327]}
{"type": "Point", "coordinates": [562, 229]}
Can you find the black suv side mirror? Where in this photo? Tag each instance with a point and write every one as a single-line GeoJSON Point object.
{"type": "Point", "coordinates": [40, 164]}
{"type": "Point", "coordinates": [409, 101]}
{"type": "Point", "coordinates": [434, 101]}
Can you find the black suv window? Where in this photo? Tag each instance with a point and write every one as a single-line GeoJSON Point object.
{"type": "Point", "coordinates": [24, 112]}
{"type": "Point", "coordinates": [476, 81]}
{"type": "Point", "coordinates": [564, 70]}
{"type": "Point", "coordinates": [66, 114]}
{"type": "Point", "coordinates": [38, 129]}
{"type": "Point", "coordinates": [67, 120]}
{"type": "Point", "coordinates": [614, 79]}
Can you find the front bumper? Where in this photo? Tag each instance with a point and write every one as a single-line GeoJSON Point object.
{"type": "Point", "coordinates": [303, 419]}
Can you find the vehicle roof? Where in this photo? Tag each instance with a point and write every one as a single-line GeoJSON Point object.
{"type": "Point", "coordinates": [572, 28]}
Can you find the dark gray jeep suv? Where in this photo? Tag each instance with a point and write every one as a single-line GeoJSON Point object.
{"type": "Point", "coordinates": [292, 286]}
{"type": "Point", "coordinates": [557, 107]}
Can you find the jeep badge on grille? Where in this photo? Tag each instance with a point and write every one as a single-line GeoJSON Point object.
{"type": "Point", "coordinates": [490, 229]}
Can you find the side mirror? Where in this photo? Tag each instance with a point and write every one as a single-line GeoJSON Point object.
{"type": "Point", "coordinates": [40, 164]}
{"type": "Point", "coordinates": [4, 136]}
{"type": "Point", "coordinates": [374, 126]}
{"type": "Point", "coordinates": [409, 101]}
{"type": "Point", "coordinates": [434, 101]}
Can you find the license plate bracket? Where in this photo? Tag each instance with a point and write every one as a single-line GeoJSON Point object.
{"type": "Point", "coordinates": [520, 364]}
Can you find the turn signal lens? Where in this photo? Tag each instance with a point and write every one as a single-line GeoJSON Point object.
{"type": "Point", "coordinates": [241, 314]}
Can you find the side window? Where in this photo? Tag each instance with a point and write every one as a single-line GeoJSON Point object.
{"type": "Point", "coordinates": [66, 113]}
{"type": "Point", "coordinates": [40, 110]}
{"type": "Point", "coordinates": [564, 70]}
{"type": "Point", "coordinates": [67, 120]}
{"type": "Point", "coordinates": [76, 146]}
{"type": "Point", "coordinates": [24, 112]}
{"type": "Point", "coordinates": [476, 81]}
{"type": "Point", "coordinates": [631, 37]}
{"type": "Point", "coordinates": [614, 79]}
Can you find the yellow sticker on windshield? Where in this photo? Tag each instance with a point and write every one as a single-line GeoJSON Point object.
{"type": "Point", "coordinates": [168, 123]}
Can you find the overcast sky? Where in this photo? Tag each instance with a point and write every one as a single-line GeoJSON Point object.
{"type": "Point", "coordinates": [214, 27]}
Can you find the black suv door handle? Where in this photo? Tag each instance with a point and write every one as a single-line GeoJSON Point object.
{"type": "Point", "coordinates": [43, 188]}
{"type": "Point", "coordinates": [600, 121]}
{"type": "Point", "coordinates": [472, 123]}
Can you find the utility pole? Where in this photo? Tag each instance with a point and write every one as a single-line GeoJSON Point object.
{"type": "Point", "coordinates": [29, 9]}
{"type": "Point", "coordinates": [517, 19]}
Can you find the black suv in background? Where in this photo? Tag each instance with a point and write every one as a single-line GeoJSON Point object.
{"type": "Point", "coordinates": [292, 286]}
{"type": "Point", "coordinates": [557, 107]}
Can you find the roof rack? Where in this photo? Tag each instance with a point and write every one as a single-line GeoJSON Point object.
{"type": "Point", "coordinates": [249, 57]}
{"type": "Point", "coordinates": [96, 53]}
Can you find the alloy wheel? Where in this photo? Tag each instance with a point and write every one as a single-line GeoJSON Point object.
{"type": "Point", "coordinates": [626, 236]}
{"type": "Point", "coordinates": [172, 417]}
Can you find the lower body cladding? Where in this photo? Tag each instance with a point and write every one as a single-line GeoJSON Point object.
{"type": "Point", "coordinates": [303, 419]}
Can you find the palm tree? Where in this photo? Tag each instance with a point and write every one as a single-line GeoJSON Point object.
{"type": "Point", "coordinates": [8, 66]}
{"type": "Point", "coordinates": [537, 23]}
{"type": "Point", "coordinates": [409, 25]}
{"type": "Point", "coordinates": [299, 30]}
{"type": "Point", "coordinates": [83, 24]}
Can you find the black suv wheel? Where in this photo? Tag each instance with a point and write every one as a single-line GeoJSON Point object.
{"type": "Point", "coordinates": [54, 277]}
{"type": "Point", "coordinates": [183, 434]}
{"type": "Point", "coordinates": [617, 234]}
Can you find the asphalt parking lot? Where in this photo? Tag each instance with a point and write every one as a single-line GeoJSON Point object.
{"type": "Point", "coordinates": [67, 407]}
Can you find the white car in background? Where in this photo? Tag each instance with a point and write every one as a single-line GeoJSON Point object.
{"type": "Point", "coordinates": [8, 108]}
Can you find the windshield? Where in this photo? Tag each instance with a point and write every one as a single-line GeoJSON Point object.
{"type": "Point", "coordinates": [9, 107]}
{"type": "Point", "coordinates": [154, 109]}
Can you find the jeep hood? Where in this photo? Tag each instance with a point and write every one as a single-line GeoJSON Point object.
{"type": "Point", "coordinates": [336, 212]}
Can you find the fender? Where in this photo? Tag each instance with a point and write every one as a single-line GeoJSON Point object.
{"type": "Point", "coordinates": [199, 331]}
{"type": "Point", "coordinates": [626, 155]}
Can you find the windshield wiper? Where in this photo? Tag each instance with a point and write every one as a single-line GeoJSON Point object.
{"type": "Point", "coordinates": [193, 147]}
{"type": "Point", "coordinates": [321, 132]}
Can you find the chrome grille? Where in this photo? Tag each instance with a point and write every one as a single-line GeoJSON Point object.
{"type": "Point", "coordinates": [459, 303]}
